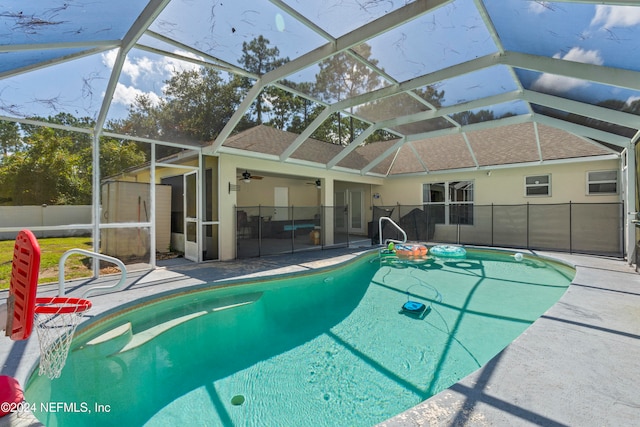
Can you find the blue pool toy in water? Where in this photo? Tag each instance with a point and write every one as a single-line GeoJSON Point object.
{"type": "Point", "coordinates": [414, 308]}
{"type": "Point", "coordinates": [448, 251]}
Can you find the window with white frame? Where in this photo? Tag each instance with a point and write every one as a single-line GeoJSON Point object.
{"type": "Point", "coordinates": [537, 185]}
{"type": "Point", "coordinates": [449, 202]}
{"type": "Point", "coordinates": [602, 182]}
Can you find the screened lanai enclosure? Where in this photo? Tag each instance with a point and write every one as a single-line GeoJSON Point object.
{"type": "Point", "coordinates": [148, 126]}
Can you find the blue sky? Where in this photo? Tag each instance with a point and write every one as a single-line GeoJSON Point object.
{"type": "Point", "coordinates": [591, 34]}
{"type": "Point", "coordinates": [452, 34]}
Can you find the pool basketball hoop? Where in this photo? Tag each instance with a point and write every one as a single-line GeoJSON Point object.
{"type": "Point", "coordinates": [55, 318]}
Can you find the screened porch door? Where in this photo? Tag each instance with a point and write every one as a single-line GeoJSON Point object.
{"type": "Point", "coordinates": [191, 209]}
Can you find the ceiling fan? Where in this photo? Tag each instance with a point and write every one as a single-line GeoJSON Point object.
{"type": "Point", "coordinates": [317, 183]}
{"type": "Point", "coordinates": [247, 177]}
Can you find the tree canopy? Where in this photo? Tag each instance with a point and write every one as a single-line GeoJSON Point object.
{"type": "Point", "coordinates": [54, 167]}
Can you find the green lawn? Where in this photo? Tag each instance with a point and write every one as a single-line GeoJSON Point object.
{"type": "Point", "coordinates": [51, 250]}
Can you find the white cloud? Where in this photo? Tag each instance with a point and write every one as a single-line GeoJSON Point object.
{"type": "Point", "coordinates": [538, 7]}
{"type": "Point", "coordinates": [616, 16]}
{"type": "Point", "coordinates": [555, 84]}
{"type": "Point", "coordinates": [131, 70]}
{"type": "Point", "coordinates": [126, 95]}
{"type": "Point", "coordinates": [139, 67]}
{"type": "Point", "coordinates": [632, 99]}
{"type": "Point", "coordinates": [146, 76]}
{"type": "Point", "coordinates": [172, 66]}
{"type": "Point", "coordinates": [142, 69]}
{"type": "Point", "coordinates": [109, 58]}
{"type": "Point", "coordinates": [578, 54]}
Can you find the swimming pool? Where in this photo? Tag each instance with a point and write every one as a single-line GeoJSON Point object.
{"type": "Point", "coordinates": [328, 348]}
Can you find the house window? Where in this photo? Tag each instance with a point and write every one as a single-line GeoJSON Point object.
{"type": "Point", "coordinates": [449, 202]}
{"type": "Point", "coordinates": [537, 185]}
{"type": "Point", "coordinates": [602, 182]}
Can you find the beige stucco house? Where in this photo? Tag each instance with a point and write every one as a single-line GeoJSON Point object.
{"type": "Point", "coordinates": [513, 165]}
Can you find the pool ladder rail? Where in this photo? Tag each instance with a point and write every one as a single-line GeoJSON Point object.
{"type": "Point", "coordinates": [116, 261]}
{"type": "Point", "coordinates": [385, 242]}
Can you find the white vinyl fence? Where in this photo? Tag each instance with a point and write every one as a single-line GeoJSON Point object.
{"type": "Point", "coordinates": [46, 221]}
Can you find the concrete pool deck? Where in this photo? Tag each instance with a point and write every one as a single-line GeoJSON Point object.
{"type": "Point", "coordinates": [577, 365]}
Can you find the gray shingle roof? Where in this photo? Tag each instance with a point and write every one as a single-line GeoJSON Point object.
{"type": "Point", "coordinates": [511, 144]}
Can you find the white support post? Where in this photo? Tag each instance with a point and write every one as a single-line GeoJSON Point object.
{"type": "Point", "coordinates": [202, 180]}
{"type": "Point", "coordinates": [326, 194]}
{"type": "Point", "coordinates": [95, 211]}
{"type": "Point", "coordinates": [152, 214]}
{"type": "Point", "coordinates": [630, 201]}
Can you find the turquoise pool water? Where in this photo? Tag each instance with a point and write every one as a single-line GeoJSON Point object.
{"type": "Point", "coordinates": [329, 348]}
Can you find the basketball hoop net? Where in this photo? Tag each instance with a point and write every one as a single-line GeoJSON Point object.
{"type": "Point", "coordinates": [56, 319]}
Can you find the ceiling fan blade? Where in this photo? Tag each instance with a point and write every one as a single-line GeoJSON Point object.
{"type": "Point", "coordinates": [247, 176]}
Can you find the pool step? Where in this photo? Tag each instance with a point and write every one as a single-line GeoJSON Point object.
{"type": "Point", "coordinates": [111, 341]}
{"type": "Point", "coordinates": [122, 339]}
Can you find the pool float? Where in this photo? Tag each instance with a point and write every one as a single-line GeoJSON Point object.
{"type": "Point", "coordinates": [401, 255]}
{"type": "Point", "coordinates": [448, 251]}
{"type": "Point", "coordinates": [411, 251]}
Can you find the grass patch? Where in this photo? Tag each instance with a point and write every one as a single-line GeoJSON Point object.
{"type": "Point", "coordinates": [51, 250]}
